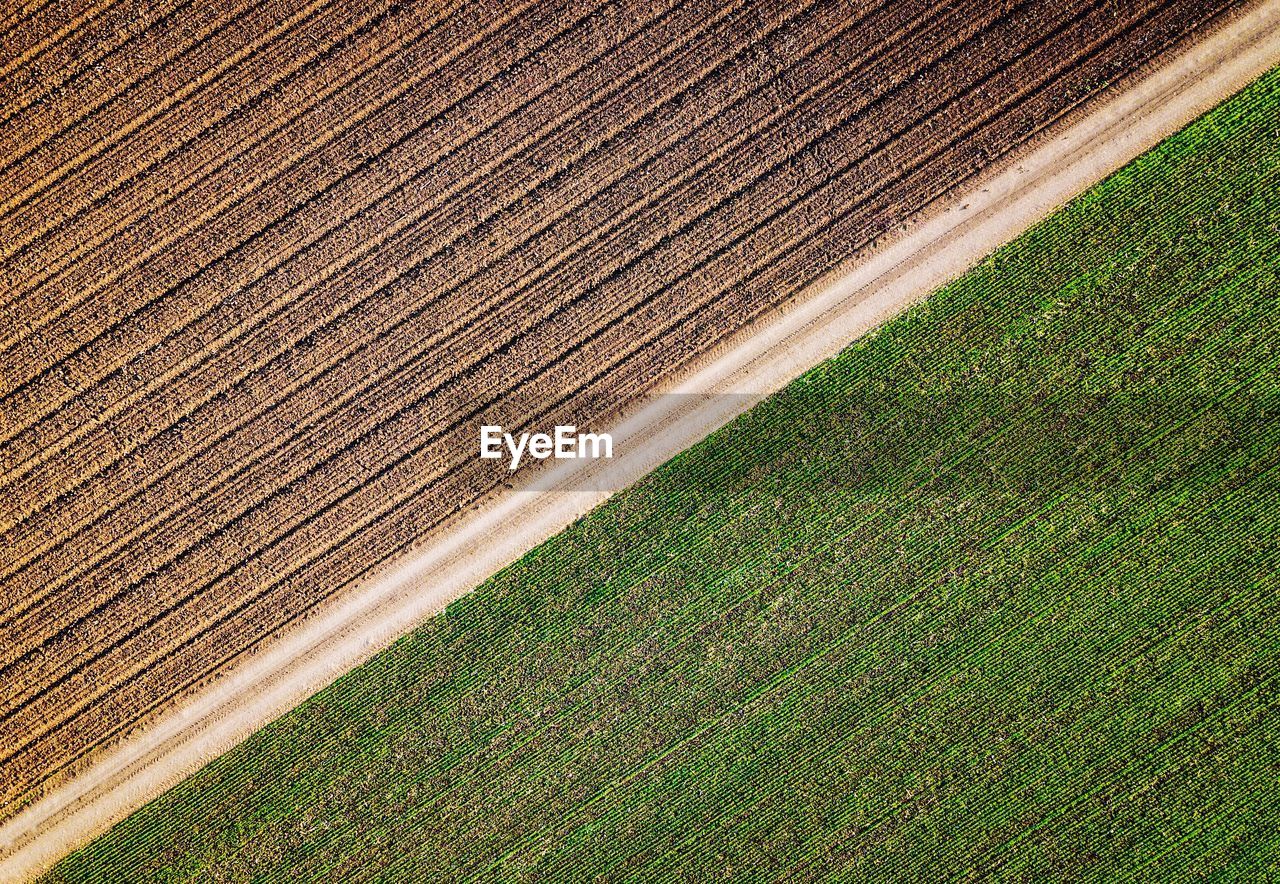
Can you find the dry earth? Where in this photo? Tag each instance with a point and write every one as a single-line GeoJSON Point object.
{"type": "Point", "coordinates": [265, 266]}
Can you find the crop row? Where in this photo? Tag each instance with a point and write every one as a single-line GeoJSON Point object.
{"type": "Point", "coordinates": [618, 338]}
{"type": "Point", "coordinates": [991, 593]}
{"type": "Point", "coordinates": [860, 569]}
{"type": "Point", "coordinates": [311, 297]}
{"type": "Point", "coordinates": [161, 163]}
{"type": "Point", "coordinates": [192, 44]}
{"type": "Point", "coordinates": [415, 420]}
{"type": "Point", "coordinates": [472, 322]}
{"type": "Point", "coordinates": [45, 43]}
{"type": "Point", "coordinates": [464, 346]}
{"type": "Point", "coordinates": [320, 190]}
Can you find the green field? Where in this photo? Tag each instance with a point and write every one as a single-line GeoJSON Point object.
{"type": "Point", "coordinates": [996, 593]}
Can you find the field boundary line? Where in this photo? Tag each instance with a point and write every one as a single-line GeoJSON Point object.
{"type": "Point", "coordinates": [747, 367]}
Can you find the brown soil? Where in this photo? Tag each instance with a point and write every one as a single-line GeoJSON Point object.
{"type": "Point", "coordinates": [266, 267]}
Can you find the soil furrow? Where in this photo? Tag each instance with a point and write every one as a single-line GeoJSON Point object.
{"type": "Point", "coordinates": [464, 257]}
{"type": "Point", "coordinates": [260, 83]}
{"type": "Point", "coordinates": [455, 163]}
{"type": "Point", "coordinates": [630, 327]}
{"type": "Point", "coordinates": [325, 191]}
{"type": "Point", "coordinates": [451, 317]}
{"type": "Point", "coordinates": [251, 36]}
{"type": "Point", "coordinates": [30, 28]}
{"type": "Point", "coordinates": [319, 283]}
{"type": "Point", "coordinates": [255, 142]}
{"type": "Point", "coordinates": [72, 39]}
{"type": "Point", "coordinates": [65, 127]}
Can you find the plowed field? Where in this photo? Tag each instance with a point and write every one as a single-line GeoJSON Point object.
{"type": "Point", "coordinates": [263, 267]}
{"type": "Point", "coordinates": [991, 596]}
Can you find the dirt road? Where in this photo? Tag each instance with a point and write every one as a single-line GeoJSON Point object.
{"type": "Point", "coordinates": [750, 363]}
{"type": "Point", "coordinates": [264, 276]}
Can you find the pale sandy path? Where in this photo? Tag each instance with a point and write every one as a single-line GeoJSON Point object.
{"type": "Point", "coordinates": [750, 366]}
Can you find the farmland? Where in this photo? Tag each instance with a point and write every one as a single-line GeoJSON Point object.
{"type": "Point", "coordinates": [993, 594]}
{"type": "Point", "coordinates": [263, 271]}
